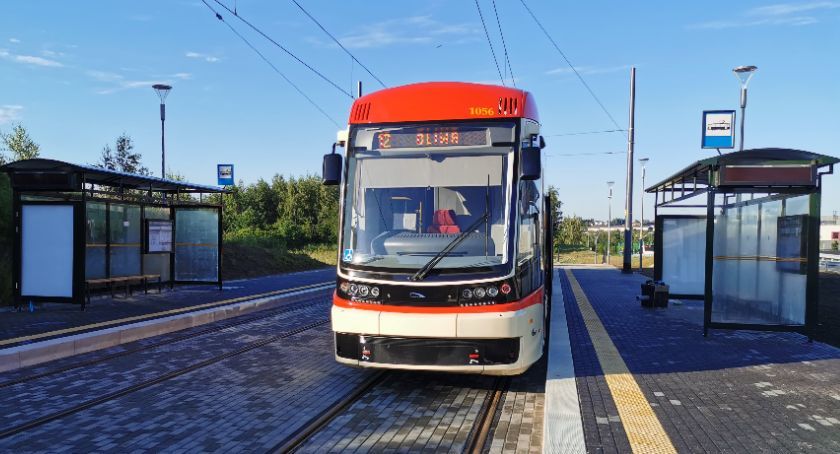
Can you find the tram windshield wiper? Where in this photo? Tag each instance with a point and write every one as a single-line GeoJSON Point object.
{"type": "Point", "coordinates": [427, 268]}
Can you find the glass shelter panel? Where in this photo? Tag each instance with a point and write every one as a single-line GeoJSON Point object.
{"type": "Point", "coordinates": [197, 244]}
{"type": "Point", "coordinates": [684, 254]}
{"type": "Point", "coordinates": [759, 260]}
{"type": "Point", "coordinates": [126, 245]}
{"type": "Point", "coordinates": [96, 240]}
{"type": "Point", "coordinates": [156, 263]}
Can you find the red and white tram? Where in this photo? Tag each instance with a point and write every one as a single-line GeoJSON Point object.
{"type": "Point", "coordinates": [444, 259]}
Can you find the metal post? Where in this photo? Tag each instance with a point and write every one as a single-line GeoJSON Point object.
{"type": "Point", "coordinates": [359, 90]}
{"type": "Point", "coordinates": [642, 218]}
{"type": "Point", "coordinates": [628, 198]}
{"type": "Point", "coordinates": [162, 141]}
{"type": "Point", "coordinates": [743, 113]}
{"type": "Point", "coordinates": [609, 224]}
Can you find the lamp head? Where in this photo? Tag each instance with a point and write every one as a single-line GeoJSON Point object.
{"type": "Point", "coordinates": [744, 74]}
{"type": "Point", "coordinates": [162, 91]}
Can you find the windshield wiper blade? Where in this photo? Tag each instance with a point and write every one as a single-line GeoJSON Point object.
{"type": "Point", "coordinates": [427, 268]}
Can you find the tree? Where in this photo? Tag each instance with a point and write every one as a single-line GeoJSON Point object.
{"type": "Point", "coordinates": [19, 144]}
{"type": "Point", "coordinates": [123, 159]}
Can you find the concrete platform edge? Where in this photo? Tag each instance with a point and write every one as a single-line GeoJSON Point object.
{"type": "Point", "coordinates": [49, 350]}
{"type": "Point", "coordinates": [562, 422]}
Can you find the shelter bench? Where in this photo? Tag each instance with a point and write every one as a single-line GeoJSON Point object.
{"type": "Point", "coordinates": [127, 281]}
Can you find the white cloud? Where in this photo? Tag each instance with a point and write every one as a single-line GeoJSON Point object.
{"type": "Point", "coordinates": [411, 30]}
{"type": "Point", "coordinates": [780, 14]}
{"type": "Point", "coordinates": [783, 9]}
{"type": "Point", "coordinates": [29, 59]}
{"type": "Point", "coordinates": [9, 113]}
{"type": "Point", "coordinates": [206, 57]}
{"type": "Point", "coordinates": [14, 40]}
{"type": "Point", "coordinates": [588, 70]}
{"type": "Point", "coordinates": [118, 82]}
{"type": "Point", "coordinates": [790, 21]}
{"type": "Point", "coordinates": [129, 84]}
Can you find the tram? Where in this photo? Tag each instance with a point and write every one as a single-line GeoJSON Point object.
{"type": "Point", "coordinates": [444, 243]}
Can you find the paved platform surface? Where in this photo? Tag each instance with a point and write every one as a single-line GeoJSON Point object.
{"type": "Point", "coordinates": [54, 317]}
{"type": "Point", "coordinates": [735, 391]}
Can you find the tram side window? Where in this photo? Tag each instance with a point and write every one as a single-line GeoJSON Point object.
{"type": "Point", "coordinates": [528, 219]}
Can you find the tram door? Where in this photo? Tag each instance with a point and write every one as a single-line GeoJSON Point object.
{"type": "Point", "coordinates": [48, 250]}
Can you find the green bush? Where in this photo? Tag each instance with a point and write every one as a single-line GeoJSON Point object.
{"type": "Point", "coordinates": [254, 237]}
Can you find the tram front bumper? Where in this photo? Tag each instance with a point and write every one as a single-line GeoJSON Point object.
{"type": "Point", "coordinates": [502, 343]}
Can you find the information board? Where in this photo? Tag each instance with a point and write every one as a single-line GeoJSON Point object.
{"type": "Point", "coordinates": [158, 236]}
{"type": "Point", "coordinates": [224, 173]}
{"type": "Point", "coordinates": [718, 129]}
{"type": "Point", "coordinates": [792, 244]}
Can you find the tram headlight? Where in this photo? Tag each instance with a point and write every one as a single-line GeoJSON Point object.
{"type": "Point", "coordinates": [374, 292]}
{"type": "Point", "coordinates": [364, 290]}
{"type": "Point", "coordinates": [466, 294]}
{"type": "Point", "coordinates": [354, 289]}
{"type": "Point", "coordinates": [345, 286]}
{"type": "Point", "coordinates": [479, 292]}
{"type": "Point", "coordinates": [492, 291]}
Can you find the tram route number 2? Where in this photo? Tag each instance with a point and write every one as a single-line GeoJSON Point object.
{"type": "Point", "coordinates": [424, 139]}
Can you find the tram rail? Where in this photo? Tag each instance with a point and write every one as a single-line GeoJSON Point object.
{"type": "Point", "coordinates": [218, 326]}
{"type": "Point", "coordinates": [31, 424]}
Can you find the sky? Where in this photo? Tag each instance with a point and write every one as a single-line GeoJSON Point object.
{"type": "Point", "coordinates": [78, 74]}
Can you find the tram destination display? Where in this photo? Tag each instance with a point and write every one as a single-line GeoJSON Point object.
{"type": "Point", "coordinates": [430, 138]}
{"type": "Point", "coordinates": [158, 236]}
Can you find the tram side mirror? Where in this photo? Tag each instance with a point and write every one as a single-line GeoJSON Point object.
{"type": "Point", "coordinates": [529, 163]}
{"type": "Point", "coordinates": [331, 171]}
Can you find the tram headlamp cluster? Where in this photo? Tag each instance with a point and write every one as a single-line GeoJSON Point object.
{"type": "Point", "coordinates": [490, 291]}
{"type": "Point", "coordinates": [360, 290]}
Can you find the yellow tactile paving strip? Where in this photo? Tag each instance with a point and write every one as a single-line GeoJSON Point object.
{"type": "Point", "coordinates": [136, 318]}
{"type": "Point", "coordinates": [644, 431]}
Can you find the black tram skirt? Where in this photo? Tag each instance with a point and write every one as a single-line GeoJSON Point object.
{"type": "Point", "coordinates": [427, 351]}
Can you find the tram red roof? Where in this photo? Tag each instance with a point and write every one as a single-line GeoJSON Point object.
{"type": "Point", "coordinates": [443, 101]}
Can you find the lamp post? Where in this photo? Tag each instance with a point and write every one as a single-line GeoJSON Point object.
{"type": "Point", "coordinates": [162, 91]}
{"type": "Point", "coordinates": [744, 74]}
{"type": "Point", "coordinates": [643, 162]}
{"type": "Point", "coordinates": [609, 217]}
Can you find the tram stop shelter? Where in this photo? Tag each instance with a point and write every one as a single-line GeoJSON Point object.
{"type": "Point", "coordinates": [741, 232]}
{"type": "Point", "coordinates": [79, 228]}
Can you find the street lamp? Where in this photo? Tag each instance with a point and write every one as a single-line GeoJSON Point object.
{"type": "Point", "coordinates": [162, 91]}
{"type": "Point", "coordinates": [643, 162]}
{"type": "Point", "coordinates": [744, 74]}
{"type": "Point", "coordinates": [609, 217]}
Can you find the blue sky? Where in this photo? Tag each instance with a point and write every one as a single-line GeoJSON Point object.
{"type": "Point", "coordinates": [77, 74]}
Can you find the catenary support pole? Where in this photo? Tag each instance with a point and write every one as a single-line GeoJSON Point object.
{"type": "Point", "coordinates": [628, 201]}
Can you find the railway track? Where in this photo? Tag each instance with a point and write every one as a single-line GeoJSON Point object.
{"type": "Point", "coordinates": [219, 326]}
{"type": "Point", "coordinates": [484, 422]}
{"type": "Point", "coordinates": [476, 441]}
{"type": "Point", "coordinates": [5, 433]}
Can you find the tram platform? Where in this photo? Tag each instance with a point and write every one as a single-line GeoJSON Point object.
{"type": "Point", "coordinates": [647, 379]}
{"type": "Point", "coordinates": [61, 330]}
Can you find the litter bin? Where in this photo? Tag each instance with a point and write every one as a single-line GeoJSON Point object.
{"type": "Point", "coordinates": [661, 295]}
{"type": "Point", "coordinates": [648, 290]}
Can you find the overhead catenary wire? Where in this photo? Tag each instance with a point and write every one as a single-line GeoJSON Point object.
{"type": "Point", "coordinates": [265, 59]}
{"type": "Point", "coordinates": [566, 59]}
{"type": "Point", "coordinates": [283, 48]}
{"type": "Point", "coordinates": [487, 34]}
{"type": "Point", "coordinates": [585, 133]}
{"type": "Point", "coordinates": [339, 44]}
{"type": "Point", "coordinates": [594, 153]}
{"type": "Point", "coordinates": [504, 45]}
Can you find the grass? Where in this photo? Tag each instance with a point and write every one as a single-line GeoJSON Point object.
{"type": "Point", "coordinates": [250, 259]}
{"type": "Point", "coordinates": [588, 257]}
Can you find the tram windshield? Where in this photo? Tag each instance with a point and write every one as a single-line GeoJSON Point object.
{"type": "Point", "coordinates": [403, 207]}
